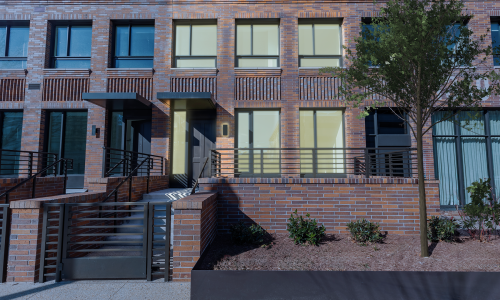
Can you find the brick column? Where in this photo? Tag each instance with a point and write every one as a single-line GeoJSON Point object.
{"type": "Point", "coordinates": [195, 226]}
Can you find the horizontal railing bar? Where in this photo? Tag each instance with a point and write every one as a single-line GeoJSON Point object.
{"type": "Point", "coordinates": [107, 250]}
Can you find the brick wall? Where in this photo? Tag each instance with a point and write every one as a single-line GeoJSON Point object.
{"type": "Point", "coordinates": [195, 224]}
{"type": "Point", "coordinates": [333, 202]}
{"type": "Point", "coordinates": [45, 187]}
{"type": "Point", "coordinates": [139, 185]}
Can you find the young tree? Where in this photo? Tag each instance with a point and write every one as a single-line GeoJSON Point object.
{"type": "Point", "coordinates": [421, 56]}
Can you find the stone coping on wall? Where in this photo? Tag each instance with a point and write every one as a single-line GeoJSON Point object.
{"type": "Point", "coordinates": [312, 181]}
{"type": "Point", "coordinates": [195, 201]}
{"type": "Point", "coordinates": [67, 198]}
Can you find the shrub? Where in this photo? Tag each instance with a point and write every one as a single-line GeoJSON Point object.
{"type": "Point", "coordinates": [365, 232]}
{"type": "Point", "coordinates": [305, 230]}
{"type": "Point", "coordinates": [243, 234]}
{"type": "Point", "coordinates": [441, 229]}
{"type": "Point", "coordinates": [482, 214]}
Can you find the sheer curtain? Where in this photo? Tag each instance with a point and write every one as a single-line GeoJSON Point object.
{"type": "Point", "coordinates": [495, 147]}
{"type": "Point", "coordinates": [445, 157]}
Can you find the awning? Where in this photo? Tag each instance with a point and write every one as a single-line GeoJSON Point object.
{"type": "Point", "coordinates": [189, 100]}
{"type": "Point", "coordinates": [117, 101]}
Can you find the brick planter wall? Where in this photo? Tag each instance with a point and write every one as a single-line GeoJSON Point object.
{"type": "Point", "coordinates": [333, 202]}
{"type": "Point", "coordinates": [139, 185]}
{"type": "Point", "coordinates": [195, 225]}
{"type": "Point", "coordinates": [45, 187]}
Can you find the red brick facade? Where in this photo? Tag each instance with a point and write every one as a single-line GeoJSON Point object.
{"type": "Point", "coordinates": [45, 187]}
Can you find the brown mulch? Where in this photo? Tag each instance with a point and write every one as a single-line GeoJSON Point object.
{"type": "Point", "coordinates": [339, 253]}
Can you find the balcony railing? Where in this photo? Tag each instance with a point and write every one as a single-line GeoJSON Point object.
{"type": "Point", "coordinates": [117, 162]}
{"type": "Point", "coordinates": [14, 163]}
{"type": "Point", "coordinates": [313, 162]}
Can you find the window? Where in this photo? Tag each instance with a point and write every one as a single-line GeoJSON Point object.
{"type": "Point", "coordinates": [495, 36]}
{"type": "Point", "coordinates": [13, 46]}
{"type": "Point", "coordinates": [257, 44]}
{"type": "Point", "coordinates": [320, 44]}
{"type": "Point", "coordinates": [259, 130]}
{"type": "Point", "coordinates": [72, 46]}
{"type": "Point", "coordinates": [321, 129]}
{"type": "Point", "coordinates": [380, 122]}
{"type": "Point", "coordinates": [195, 45]}
{"type": "Point", "coordinates": [465, 150]}
{"type": "Point", "coordinates": [11, 123]}
{"type": "Point", "coordinates": [134, 46]}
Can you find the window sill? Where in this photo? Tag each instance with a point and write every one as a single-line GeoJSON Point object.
{"type": "Point", "coordinates": [130, 72]}
{"type": "Point", "coordinates": [53, 72]}
{"type": "Point", "coordinates": [258, 71]}
{"type": "Point", "coordinates": [13, 73]}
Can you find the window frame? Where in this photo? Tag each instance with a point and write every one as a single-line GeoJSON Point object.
{"type": "Point", "coordinates": [129, 23]}
{"type": "Point", "coordinates": [8, 25]}
{"type": "Point", "coordinates": [176, 57]}
{"type": "Point", "coordinates": [496, 55]}
{"type": "Point", "coordinates": [339, 22]}
{"type": "Point", "coordinates": [68, 24]}
{"type": "Point", "coordinates": [376, 124]}
{"type": "Point", "coordinates": [252, 22]}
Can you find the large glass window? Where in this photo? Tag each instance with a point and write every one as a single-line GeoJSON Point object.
{"type": "Point", "coordinates": [67, 137]}
{"type": "Point", "coordinates": [320, 44]}
{"type": "Point", "coordinates": [257, 45]}
{"type": "Point", "coordinates": [321, 131]}
{"type": "Point", "coordinates": [382, 121]}
{"type": "Point", "coordinates": [13, 46]}
{"type": "Point", "coordinates": [11, 124]}
{"type": "Point", "coordinates": [72, 46]}
{"type": "Point", "coordinates": [180, 146]}
{"type": "Point", "coordinates": [195, 45]}
{"type": "Point", "coordinates": [495, 36]}
{"type": "Point", "coordinates": [465, 150]}
{"type": "Point", "coordinates": [134, 46]}
{"type": "Point", "coordinates": [258, 130]}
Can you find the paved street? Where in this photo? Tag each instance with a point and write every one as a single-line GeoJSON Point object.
{"type": "Point", "coordinates": [109, 289]}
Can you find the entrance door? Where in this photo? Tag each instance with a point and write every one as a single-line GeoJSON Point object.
{"type": "Point", "coordinates": [202, 141]}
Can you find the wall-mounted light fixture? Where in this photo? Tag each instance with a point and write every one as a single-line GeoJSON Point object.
{"type": "Point", "coordinates": [225, 130]}
{"type": "Point", "coordinates": [96, 131]}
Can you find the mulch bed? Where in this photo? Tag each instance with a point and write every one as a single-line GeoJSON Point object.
{"type": "Point", "coordinates": [339, 253]}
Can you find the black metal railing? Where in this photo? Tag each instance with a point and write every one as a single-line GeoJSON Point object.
{"type": "Point", "coordinates": [14, 163]}
{"type": "Point", "coordinates": [313, 162]}
{"type": "Point", "coordinates": [117, 162]}
{"type": "Point", "coordinates": [146, 162]}
{"type": "Point", "coordinates": [67, 164]}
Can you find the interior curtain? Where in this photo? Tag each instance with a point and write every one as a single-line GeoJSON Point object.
{"type": "Point", "coordinates": [495, 147]}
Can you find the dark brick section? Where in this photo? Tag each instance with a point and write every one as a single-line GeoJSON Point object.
{"type": "Point", "coordinates": [139, 185]}
{"type": "Point", "coordinates": [333, 202]}
{"type": "Point", "coordinates": [45, 187]}
{"type": "Point", "coordinates": [195, 227]}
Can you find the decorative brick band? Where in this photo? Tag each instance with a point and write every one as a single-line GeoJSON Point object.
{"type": "Point", "coordinates": [64, 89]}
{"type": "Point", "coordinates": [318, 87]}
{"type": "Point", "coordinates": [142, 86]}
{"type": "Point", "coordinates": [12, 89]}
{"type": "Point", "coordinates": [195, 224]}
{"type": "Point", "coordinates": [194, 84]}
{"type": "Point", "coordinates": [258, 88]}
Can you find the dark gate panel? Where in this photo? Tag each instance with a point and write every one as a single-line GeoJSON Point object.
{"type": "Point", "coordinates": [4, 236]}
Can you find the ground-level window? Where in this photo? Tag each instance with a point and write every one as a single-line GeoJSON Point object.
{"type": "Point", "coordinates": [11, 123]}
{"type": "Point", "coordinates": [465, 150]}
{"type": "Point", "coordinates": [321, 134]}
{"type": "Point", "coordinates": [258, 130]}
{"type": "Point", "coordinates": [67, 137]}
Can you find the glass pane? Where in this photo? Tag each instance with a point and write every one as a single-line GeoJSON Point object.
{"type": "Point", "coordinates": [445, 152]}
{"type": "Point", "coordinates": [133, 63]}
{"type": "Point", "coordinates": [12, 64]}
{"type": "Point", "coordinates": [75, 140]}
{"type": "Point", "coordinates": [306, 134]}
{"type": "Point", "coordinates": [266, 134]}
{"type": "Point", "coordinates": [179, 163]}
{"type": "Point", "coordinates": [470, 124]}
{"type": "Point", "coordinates": [389, 123]}
{"type": "Point", "coordinates": [495, 147]}
{"type": "Point", "coordinates": [182, 39]}
{"type": "Point", "coordinates": [265, 40]}
{"type": "Point", "coordinates": [142, 42]}
{"type": "Point", "coordinates": [11, 140]}
{"type": "Point", "coordinates": [61, 41]}
{"type": "Point", "coordinates": [204, 40]}
{"type": "Point", "coordinates": [257, 62]}
{"type": "Point", "coordinates": [443, 128]}
{"type": "Point", "coordinates": [494, 122]}
{"type": "Point", "coordinates": [305, 39]}
{"type": "Point", "coordinates": [72, 64]}
{"type": "Point", "coordinates": [116, 141]}
{"type": "Point", "coordinates": [474, 161]}
{"type": "Point", "coordinates": [121, 42]}
{"type": "Point", "coordinates": [495, 36]}
{"type": "Point", "coordinates": [81, 41]}
{"type": "Point", "coordinates": [243, 39]}
{"type": "Point", "coordinates": [327, 39]}
{"type": "Point", "coordinates": [18, 44]}
{"type": "Point", "coordinates": [330, 134]}
{"type": "Point", "coordinates": [242, 157]}
{"type": "Point", "coordinates": [196, 63]}
{"type": "Point", "coordinates": [55, 129]}
{"type": "Point", "coordinates": [319, 62]}
{"type": "Point", "coordinates": [3, 36]}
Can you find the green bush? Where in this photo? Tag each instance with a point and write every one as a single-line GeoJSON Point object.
{"type": "Point", "coordinates": [305, 230]}
{"type": "Point", "coordinates": [365, 232]}
{"type": "Point", "coordinates": [441, 229]}
{"type": "Point", "coordinates": [243, 234]}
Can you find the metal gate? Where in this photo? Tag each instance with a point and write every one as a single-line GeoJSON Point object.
{"type": "Point", "coordinates": [4, 236]}
{"type": "Point", "coordinates": [120, 240]}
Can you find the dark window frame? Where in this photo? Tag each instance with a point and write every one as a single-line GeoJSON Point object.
{"type": "Point", "coordinates": [376, 125]}
{"type": "Point", "coordinates": [323, 21]}
{"type": "Point", "coordinates": [496, 55]}
{"type": "Point", "coordinates": [68, 24]}
{"type": "Point", "coordinates": [129, 23]}
{"type": "Point", "coordinates": [190, 56]}
{"type": "Point", "coordinates": [8, 25]}
{"type": "Point", "coordinates": [252, 22]}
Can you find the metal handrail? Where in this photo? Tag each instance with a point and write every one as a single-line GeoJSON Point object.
{"type": "Point", "coordinates": [199, 176]}
{"type": "Point", "coordinates": [33, 191]}
{"type": "Point", "coordinates": [129, 177]}
{"type": "Point", "coordinates": [23, 162]}
{"type": "Point", "coordinates": [121, 162]}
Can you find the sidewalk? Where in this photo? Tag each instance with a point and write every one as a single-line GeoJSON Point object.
{"type": "Point", "coordinates": [102, 289]}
